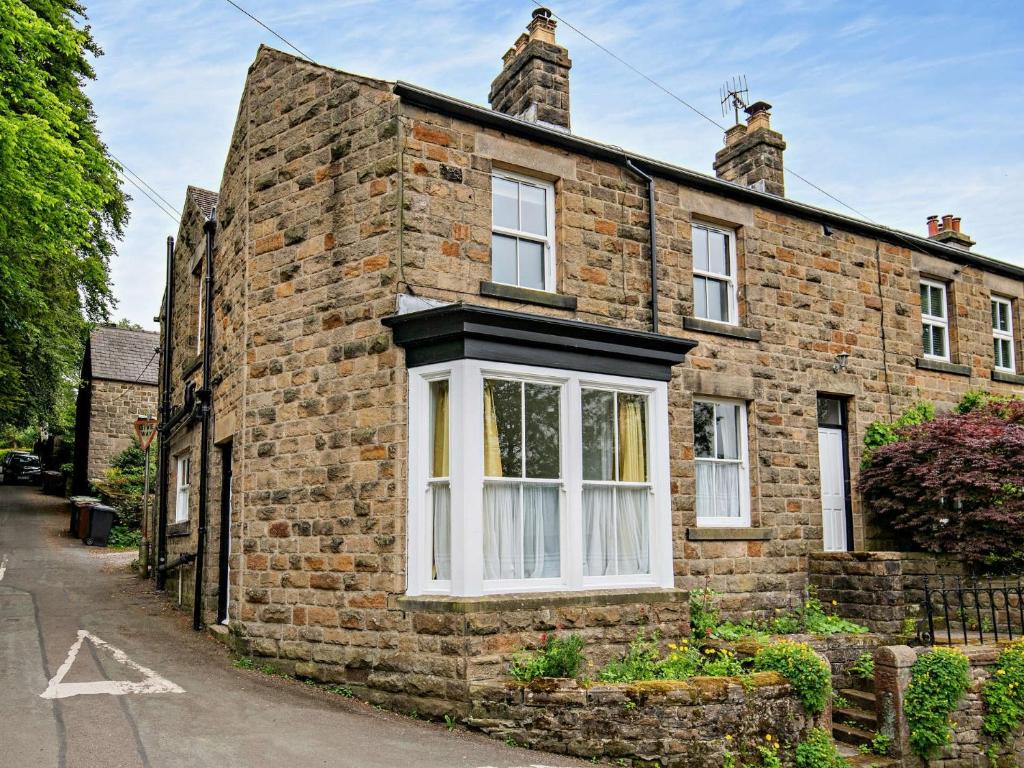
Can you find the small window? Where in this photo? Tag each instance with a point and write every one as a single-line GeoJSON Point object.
{"type": "Point", "coordinates": [720, 460]}
{"type": "Point", "coordinates": [183, 485]}
{"type": "Point", "coordinates": [714, 274]}
{"type": "Point", "coordinates": [934, 321]}
{"type": "Point", "coordinates": [522, 224]}
{"type": "Point", "coordinates": [1002, 334]}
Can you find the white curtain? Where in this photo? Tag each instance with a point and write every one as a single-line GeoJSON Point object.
{"type": "Point", "coordinates": [442, 503]}
{"type": "Point", "coordinates": [718, 489]}
{"type": "Point", "coordinates": [598, 530]}
{"type": "Point", "coordinates": [521, 533]}
{"type": "Point", "coordinates": [502, 525]}
{"type": "Point", "coordinates": [633, 546]}
{"type": "Point", "coordinates": [705, 488]}
{"type": "Point", "coordinates": [541, 553]}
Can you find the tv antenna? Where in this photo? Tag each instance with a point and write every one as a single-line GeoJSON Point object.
{"type": "Point", "coordinates": [735, 94]}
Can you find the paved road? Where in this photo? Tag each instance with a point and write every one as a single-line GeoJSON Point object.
{"type": "Point", "coordinates": [52, 588]}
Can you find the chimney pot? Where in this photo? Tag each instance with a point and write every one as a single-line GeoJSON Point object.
{"type": "Point", "coordinates": [948, 232]}
{"type": "Point", "coordinates": [956, 223]}
{"type": "Point", "coordinates": [933, 226]}
{"type": "Point", "coordinates": [947, 222]}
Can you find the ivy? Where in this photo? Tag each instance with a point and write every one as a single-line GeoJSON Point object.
{"type": "Point", "coordinates": [1003, 695]}
{"type": "Point", "coordinates": [938, 681]}
{"type": "Point", "coordinates": [803, 668]}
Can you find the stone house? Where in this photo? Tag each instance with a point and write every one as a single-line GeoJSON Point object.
{"type": "Point", "coordinates": [455, 399]}
{"type": "Point", "coordinates": [119, 383]}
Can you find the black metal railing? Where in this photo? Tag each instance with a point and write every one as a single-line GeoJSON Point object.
{"type": "Point", "coordinates": [963, 610]}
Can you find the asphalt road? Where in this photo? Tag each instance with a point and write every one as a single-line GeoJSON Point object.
{"type": "Point", "coordinates": [143, 690]}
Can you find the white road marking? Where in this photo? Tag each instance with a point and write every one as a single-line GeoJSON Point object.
{"type": "Point", "coordinates": [152, 684]}
{"type": "Point", "coordinates": [3, 567]}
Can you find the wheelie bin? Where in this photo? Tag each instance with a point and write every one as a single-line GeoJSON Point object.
{"type": "Point", "coordinates": [101, 520]}
{"type": "Point", "coordinates": [78, 503]}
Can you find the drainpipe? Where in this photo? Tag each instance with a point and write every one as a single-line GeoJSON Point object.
{"type": "Point", "coordinates": [206, 401]}
{"type": "Point", "coordinates": [165, 415]}
{"type": "Point", "coordinates": [654, 242]}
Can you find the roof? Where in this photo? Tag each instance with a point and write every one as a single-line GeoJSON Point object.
{"type": "Point", "coordinates": [204, 198]}
{"type": "Point", "coordinates": [119, 354]}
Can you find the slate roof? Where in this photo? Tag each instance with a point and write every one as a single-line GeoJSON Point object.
{"type": "Point", "coordinates": [118, 354]}
{"type": "Point", "coordinates": [203, 198]}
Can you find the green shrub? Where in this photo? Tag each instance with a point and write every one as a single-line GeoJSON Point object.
{"type": "Point", "coordinates": [559, 657]}
{"type": "Point", "coordinates": [640, 662]}
{"type": "Point", "coordinates": [1003, 695]}
{"type": "Point", "coordinates": [881, 433]}
{"type": "Point", "coordinates": [683, 661]}
{"type": "Point", "coordinates": [802, 667]}
{"type": "Point", "coordinates": [719, 662]}
{"type": "Point", "coordinates": [864, 666]}
{"type": "Point", "coordinates": [938, 680]}
{"type": "Point", "coordinates": [819, 751]}
{"type": "Point", "coordinates": [704, 617]}
{"type": "Point", "coordinates": [124, 538]}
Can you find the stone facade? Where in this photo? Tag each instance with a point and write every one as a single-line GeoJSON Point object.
{"type": "Point", "coordinates": [691, 723]}
{"type": "Point", "coordinates": [114, 408]}
{"type": "Point", "coordinates": [341, 193]}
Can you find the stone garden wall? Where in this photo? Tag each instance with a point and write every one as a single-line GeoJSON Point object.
{"type": "Point", "coordinates": [690, 723]}
{"type": "Point", "coordinates": [968, 745]}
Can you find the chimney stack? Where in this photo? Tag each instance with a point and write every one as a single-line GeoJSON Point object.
{"type": "Point", "coordinates": [534, 81]}
{"type": "Point", "coordinates": [752, 155]}
{"type": "Point", "coordinates": [948, 231]}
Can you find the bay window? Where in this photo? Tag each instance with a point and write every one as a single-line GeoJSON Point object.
{"type": "Point", "coordinates": [720, 462]}
{"type": "Point", "coordinates": [524, 478]}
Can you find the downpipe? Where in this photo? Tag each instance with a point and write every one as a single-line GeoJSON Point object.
{"type": "Point", "coordinates": [165, 419]}
{"type": "Point", "coordinates": [652, 223]}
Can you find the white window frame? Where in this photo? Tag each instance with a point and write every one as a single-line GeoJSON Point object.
{"type": "Point", "coordinates": [743, 521]}
{"type": "Point", "coordinates": [731, 279]}
{"type": "Point", "coordinates": [183, 486]}
{"type": "Point", "coordinates": [465, 409]}
{"type": "Point", "coordinates": [1006, 335]}
{"type": "Point", "coordinates": [200, 315]}
{"type": "Point", "coordinates": [931, 320]}
{"type": "Point", "coordinates": [548, 242]}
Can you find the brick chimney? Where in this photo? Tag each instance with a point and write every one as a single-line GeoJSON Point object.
{"type": "Point", "coordinates": [948, 231]}
{"type": "Point", "coordinates": [534, 81]}
{"type": "Point", "coordinates": [752, 155]}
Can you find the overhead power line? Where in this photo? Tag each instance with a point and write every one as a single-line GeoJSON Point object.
{"type": "Point", "coordinates": [152, 199]}
{"type": "Point", "coordinates": [171, 207]}
{"type": "Point", "coordinates": [278, 35]}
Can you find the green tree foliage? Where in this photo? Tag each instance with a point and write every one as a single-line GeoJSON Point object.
{"type": "Point", "coordinates": [61, 206]}
{"type": "Point", "coordinates": [881, 433]}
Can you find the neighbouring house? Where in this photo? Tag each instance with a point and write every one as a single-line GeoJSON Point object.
{"type": "Point", "coordinates": [119, 384]}
{"type": "Point", "coordinates": [452, 399]}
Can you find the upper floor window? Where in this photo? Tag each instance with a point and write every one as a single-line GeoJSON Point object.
{"type": "Point", "coordinates": [523, 225]}
{"type": "Point", "coordinates": [550, 480]}
{"type": "Point", "coordinates": [183, 487]}
{"type": "Point", "coordinates": [934, 321]}
{"type": "Point", "coordinates": [1002, 334]}
{"type": "Point", "coordinates": [720, 462]}
{"type": "Point", "coordinates": [714, 274]}
{"type": "Point", "coordinates": [200, 313]}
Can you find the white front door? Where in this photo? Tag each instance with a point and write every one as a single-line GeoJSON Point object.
{"type": "Point", "coordinates": [833, 488]}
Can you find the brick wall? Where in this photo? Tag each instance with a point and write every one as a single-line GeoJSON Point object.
{"type": "Point", "coordinates": [114, 406]}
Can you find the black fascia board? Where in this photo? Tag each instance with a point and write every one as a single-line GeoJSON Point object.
{"type": "Point", "coordinates": [448, 105]}
{"type": "Point", "coordinates": [467, 331]}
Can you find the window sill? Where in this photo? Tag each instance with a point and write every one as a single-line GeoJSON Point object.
{"type": "Point", "coordinates": [730, 534]}
{"type": "Point", "coordinates": [175, 530]}
{"type": "Point", "coordinates": [539, 600]}
{"type": "Point", "coordinates": [943, 367]}
{"type": "Point", "coordinates": [721, 329]}
{"type": "Point", "coordinates": [1008, 378]}
{"type": "Point", "coordinates": [527, 295]}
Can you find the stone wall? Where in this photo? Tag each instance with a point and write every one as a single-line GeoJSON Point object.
{"type": "Point", "coordinates": [114, 407]}
{"type": "Point", "coordinates": [691, 723]}
{"type": "Point", "coordinates": [884, 590]}
{"type": "Point", "coordinates": [968, 745]}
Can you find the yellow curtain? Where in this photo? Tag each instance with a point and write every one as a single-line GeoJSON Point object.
{"type": "Point", "coordinates": [632, 446]}
{"type": "Point", "coordinates": [492, 451]}
{"type": "Point", "coordinates": [440, 458]}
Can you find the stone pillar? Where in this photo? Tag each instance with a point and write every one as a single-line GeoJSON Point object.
{"type": "Point", "coordinates": [752, 155]}
{"type": "Point", "coordinates": [892, 677]}
{"type": "Point", "coordinates": [534, 81]}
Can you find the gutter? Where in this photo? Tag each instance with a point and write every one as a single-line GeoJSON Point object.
{"type": "Point", "coordinates": [166, 423]}
{"type": "Point", "coordinates": [654, 241]}
{"type": "Point", "coordinates": [205, 396]}
{"type": "Point", "coordinates": [438, 102]}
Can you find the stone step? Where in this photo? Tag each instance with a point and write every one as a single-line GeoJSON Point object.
{"type": "Point", "coordinates": [860, 684]}
{"type": "Point", "coordinates": [862, 699]}
{"type": "Point", "coordinates": [849, 734]}
{"type": "Point", "coordinates": [859, 717]}
{"type": "Point", "coordinates": [872, 761]}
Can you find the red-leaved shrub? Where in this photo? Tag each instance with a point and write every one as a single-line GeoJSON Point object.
{"type": "Point", "coordinates": [956, 485]}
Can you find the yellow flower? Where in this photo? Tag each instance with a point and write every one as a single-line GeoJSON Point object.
{"type": "Point", "coordinates": [1000, 671]}
{"type": "Point", "coordinates": [835, 602]}
{"type": "Point", "coordinates": [728, 737]}
{"type": "Point", "coordinates": [767, 737]}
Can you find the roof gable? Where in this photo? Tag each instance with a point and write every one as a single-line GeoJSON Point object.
{"type": "Point", "coordinates": [119, 354]}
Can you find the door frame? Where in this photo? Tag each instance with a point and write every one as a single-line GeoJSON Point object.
{"type": "Point", "coordinates": [844, 426]}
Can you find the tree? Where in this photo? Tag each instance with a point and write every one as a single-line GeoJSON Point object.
{"type": "Point", "coordinates": [61, 206]}
{"type": "Point", "coordinates": [955, 484]}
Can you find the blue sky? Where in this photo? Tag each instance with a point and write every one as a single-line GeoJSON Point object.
{"type": "Point", "coordinates": [900, 109]}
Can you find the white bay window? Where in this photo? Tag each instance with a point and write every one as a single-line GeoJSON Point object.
{"type": "Point", "coordinates": [535, 479]}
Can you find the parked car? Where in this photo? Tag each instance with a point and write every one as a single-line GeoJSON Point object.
{"type": "Point", "coordinates": [20, 467]}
